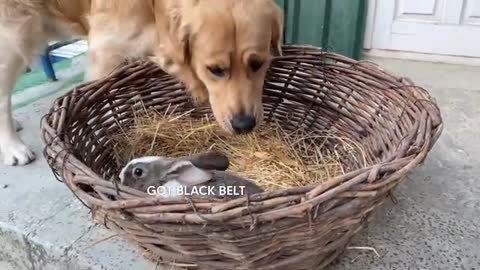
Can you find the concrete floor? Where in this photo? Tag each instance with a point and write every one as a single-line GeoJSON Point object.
{"type": "Point", "coordinates": [434, 224]}
{"type": "Point", "coordinates": [6, 266]}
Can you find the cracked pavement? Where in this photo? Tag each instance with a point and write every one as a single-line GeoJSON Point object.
{"type": "Point", "coordinates": [42, 226]}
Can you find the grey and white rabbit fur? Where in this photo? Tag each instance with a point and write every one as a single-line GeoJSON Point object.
{"type": "Point", "coordinates": [182, 176]}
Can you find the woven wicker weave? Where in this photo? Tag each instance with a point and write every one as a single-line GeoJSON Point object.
{"type": "Point", "coordinates": [396, 122]}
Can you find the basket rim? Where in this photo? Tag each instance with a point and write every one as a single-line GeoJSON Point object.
{"type": "Point", "coordinates": [64, 163]}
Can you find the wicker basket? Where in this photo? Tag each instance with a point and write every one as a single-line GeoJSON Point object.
{"type": "Point", "coordinates": [395, 121]}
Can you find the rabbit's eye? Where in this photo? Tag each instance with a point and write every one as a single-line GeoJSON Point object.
{"type": "Point", "coordinates": [137, 172]}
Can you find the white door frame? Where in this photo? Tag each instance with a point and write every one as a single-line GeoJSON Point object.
{"type": "Point", "coordinates": [370, 24]}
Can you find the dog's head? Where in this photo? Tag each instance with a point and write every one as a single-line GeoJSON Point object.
{"type": "Point", "coordinates": [222, 50]}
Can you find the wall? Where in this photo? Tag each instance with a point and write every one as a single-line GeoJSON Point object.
{"type": "Point", "coordinates": [336, 25]}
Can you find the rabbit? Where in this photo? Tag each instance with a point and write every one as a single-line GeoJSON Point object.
{"type": "Point", "coordinates": [201, 174]}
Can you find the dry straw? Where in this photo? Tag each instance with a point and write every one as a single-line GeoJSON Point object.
{"type": "Point", "coordinates": [271, 156]}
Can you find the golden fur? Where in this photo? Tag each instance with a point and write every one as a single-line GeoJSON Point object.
{"type": "Point", "coordinates": [219, 49]}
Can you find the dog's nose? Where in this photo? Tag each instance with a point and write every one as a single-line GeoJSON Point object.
{"type": "Point", "coordinates": [243, 124]}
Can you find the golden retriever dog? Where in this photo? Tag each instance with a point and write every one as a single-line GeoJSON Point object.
{"type": "Point", "coordinates": [220, 49]}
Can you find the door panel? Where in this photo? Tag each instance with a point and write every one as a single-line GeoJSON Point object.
{"type": "Point", "coordinates": [446, 27]}
{"type": "Point", "coordinates": [425, 10]}
{"type": "Point", "coordinates": [471, 15]}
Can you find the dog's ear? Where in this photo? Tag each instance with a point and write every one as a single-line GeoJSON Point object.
{"type": "Point", "coordinates": [184, 38]}
{"type": "Point", "coordinates": [180, 30]}
{"type": "Point", "coordinates": [277, 31]}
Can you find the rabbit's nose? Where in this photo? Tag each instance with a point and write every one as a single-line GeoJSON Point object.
{"type": "Point", "coordinates": [243, 124]}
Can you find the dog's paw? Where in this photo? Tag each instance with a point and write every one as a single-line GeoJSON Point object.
{"type": "Point", "coordinates": [18, 126]}
{"type": "Point", "coordinates": [200, 96]}
{"type": "Point", "coordinates": [199, 100]}
{"type": "Point", "coordinates": [16, 154]}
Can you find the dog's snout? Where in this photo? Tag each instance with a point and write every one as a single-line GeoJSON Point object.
{"type": "Point", "coordinates": [242, 124]}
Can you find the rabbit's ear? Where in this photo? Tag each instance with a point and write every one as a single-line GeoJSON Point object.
{"type": "Point", "coordinates": [210, 161]}
{"type": "Point", "coordinates": [188, 174]}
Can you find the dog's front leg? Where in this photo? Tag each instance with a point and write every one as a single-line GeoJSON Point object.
{"type": "Point", "coordinates": [182, 72]}
{"type": "Point", "coordinates": [13, 151]}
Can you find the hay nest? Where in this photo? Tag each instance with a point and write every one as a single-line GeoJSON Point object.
{"type": "Point", "coordinates": [301, 227]}
{"type": "Point", "coordinates": [271, 156]}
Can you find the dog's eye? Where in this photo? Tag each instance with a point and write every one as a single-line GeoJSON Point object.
{"type": "Point", "coordinates": [256, 65]}
{"type": "Point", "coordinates": [217, 71]}
{"type": "Point", "coordinates": [138, 172]}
